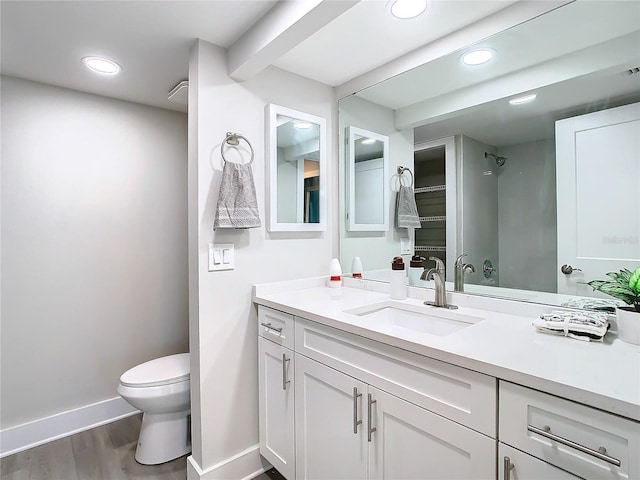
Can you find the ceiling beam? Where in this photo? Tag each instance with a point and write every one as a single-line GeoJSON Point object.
{"type": "Point", "coordinates": [286, 25]}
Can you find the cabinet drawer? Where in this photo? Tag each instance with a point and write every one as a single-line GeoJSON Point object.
{"type": "Point", "coordinates": [276, 326]}
{"type": "Point", "coordinates": [580, 439]}
{"type": "Point", "coordinates": [522, 466]}
{"type": "Point", "coordinates": [464, 396]}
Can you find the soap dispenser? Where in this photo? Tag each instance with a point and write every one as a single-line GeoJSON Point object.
{"type": "Point", "coordinates": [416, 267]}
{"type": "Point", "coordinates": [398, 279]}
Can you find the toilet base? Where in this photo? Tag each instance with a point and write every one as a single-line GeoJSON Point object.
{"type": "Point", "coordinates": [163, 437]}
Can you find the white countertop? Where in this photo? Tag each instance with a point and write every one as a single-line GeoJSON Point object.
{"type": "Point", "coordinates": [605, 375]}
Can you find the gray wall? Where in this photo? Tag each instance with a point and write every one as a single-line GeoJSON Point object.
{"type": "Point", "coordinates": [527, 216]}
{"type": "Point", "coordinates": [479, 208]}
{"type": "Point", "coordinates": [94, 245]}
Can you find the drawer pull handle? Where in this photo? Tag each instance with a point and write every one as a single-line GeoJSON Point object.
{"type": "Point", "coordinates": [546, 432]}
{"type": "Point", "coordinates": [508, 466]}
{"type": "Point", "coordinates": [371, 429]}
{"type": "Point", "coordinates": [278, 330]}
{"type": "Point", "coordinates": [356, 422]}
{"type": "Point", "coordinates": [285, 360]}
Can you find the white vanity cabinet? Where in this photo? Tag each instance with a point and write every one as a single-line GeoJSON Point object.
{"type": "Point", "coordinates": [364, 409]}
{"type": "Point", "coordinates": [276, 372]}
{"type": "Point", "coordinates": [346, 429]}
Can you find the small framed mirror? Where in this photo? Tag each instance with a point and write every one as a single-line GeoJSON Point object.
{"type": "Point", "coordinates": [367, 181]}
{"type": "Point", "coordinates": [297, 171]}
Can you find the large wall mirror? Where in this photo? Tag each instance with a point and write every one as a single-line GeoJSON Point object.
{"type": "Point", "coordinates": [537, 181]}
{"type": "Point", "coordinates": [297, 171]}
{"type": "Point", "coordinates": [367, 178]}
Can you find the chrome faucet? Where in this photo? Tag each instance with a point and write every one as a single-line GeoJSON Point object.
{"type": "Point", "coordinates": [460, 269]}
{"type": "Point", "coordinates": [437, 274]}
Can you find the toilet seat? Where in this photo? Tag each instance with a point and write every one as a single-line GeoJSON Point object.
{"type": "Point", "coordinates": [161, 371]}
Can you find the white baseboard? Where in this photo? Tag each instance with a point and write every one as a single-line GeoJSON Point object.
{"type": "Point", "coordinates": [245, 466]}
{"type": "Point", "coordinates": [34, 433]}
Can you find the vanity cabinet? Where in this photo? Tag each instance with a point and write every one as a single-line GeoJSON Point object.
{"type": "Point", "coordinates": [364, 409]}
{"type": "Point", "coordinates": [348, 429]}
{"type": "Point", "coordinates": [276, 371]}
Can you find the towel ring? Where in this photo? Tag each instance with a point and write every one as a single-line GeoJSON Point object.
{"type": "Point", "coordinates": [401, 171]}
{"type": "Point", "coordinates": [234, 140]}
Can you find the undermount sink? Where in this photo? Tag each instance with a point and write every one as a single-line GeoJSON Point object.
{"type": "Point", "coordinates": [390, 316]}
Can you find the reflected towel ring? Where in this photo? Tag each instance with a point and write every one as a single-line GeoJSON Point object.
{"type": "Point", "coordinates": [233, 139]}
{"type": "Point", "coordinates": [401, 171]}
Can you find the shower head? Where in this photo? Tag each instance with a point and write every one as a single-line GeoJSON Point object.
{"type": "Point", "coordinates": [499, 160]}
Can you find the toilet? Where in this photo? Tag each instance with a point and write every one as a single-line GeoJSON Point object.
{"type": "Point", "coordinates": [160, 389]}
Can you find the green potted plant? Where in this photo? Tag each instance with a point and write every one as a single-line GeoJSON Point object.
{"type": "Point", "coordinates": [624, 285]}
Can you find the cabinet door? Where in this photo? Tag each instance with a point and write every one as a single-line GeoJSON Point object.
{"type": "Point", "coordinates": [276, 404]}
{"type": "Point", "coordinates": [330, 443]}
{"type": "Point", "coordinates": [411, 443]}
{"type": "Point", "coordinates": [522, 466]}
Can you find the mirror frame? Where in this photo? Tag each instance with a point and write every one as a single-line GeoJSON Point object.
{"type": "Point", "coordinates": [271, 130]}
{"type": "Point", "coordinates": [350, 184]}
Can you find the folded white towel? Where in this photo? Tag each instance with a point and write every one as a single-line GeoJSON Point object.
{"type": "Point", "coordinates": [406, 209]}
{"type": "Point", "coordinates": [237, 202]}
{"type": "Point", "coordinates": [586, 326]}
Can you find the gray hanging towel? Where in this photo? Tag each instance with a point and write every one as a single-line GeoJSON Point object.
{"type": "Point", "coordinates": [406, 209]}
{"type": "Point", "coordinates": [237, 202]}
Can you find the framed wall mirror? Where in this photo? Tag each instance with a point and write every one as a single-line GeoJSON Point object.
{"type": "Point", "coordinates": [296, 170]}
{"type": "Point", "coordinates": [367, 180]}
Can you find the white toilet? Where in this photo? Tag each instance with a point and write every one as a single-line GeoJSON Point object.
{"type": "Point", "coordinates": [160, 389]}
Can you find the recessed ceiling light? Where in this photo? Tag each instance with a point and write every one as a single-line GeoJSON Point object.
{"type": "Point", "coordinates": [302, 125]}
{"type": "Point", "coordinates": [405, 9]}
{"type": "Point", "coordinates": [368, 141]}
{"type": "Point", "coordinates": [478, 57]}
{"type": "Point", "coordinates": [102, 65]}
{"type": "Point", "coordinates": [524, 99]}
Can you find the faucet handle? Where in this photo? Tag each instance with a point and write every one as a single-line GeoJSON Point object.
{"type": "Point", "coordinates": [459, 259]}
{"type": "Point", "coordinates": [439, 263]}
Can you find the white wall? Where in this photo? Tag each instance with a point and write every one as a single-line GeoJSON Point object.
{"type": "Point", "coordinates": [479, 209]}
{"type": "Point", "coordinates": [376, 249]}
{"type": "Point", "coordinates": [223, 321]}
{"type": "Point", "coordinates": [527, 216]}
{"type": "Point", "coordinates": [94, 245]}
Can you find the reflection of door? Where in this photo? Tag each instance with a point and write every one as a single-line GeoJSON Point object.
{"type": "Point", "coordinates": [598, 191]}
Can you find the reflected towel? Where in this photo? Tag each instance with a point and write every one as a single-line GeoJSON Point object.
{"type": "Point", "coordinates": [406, 209]}
{"type": "Point", "coordinates": [237, 202]}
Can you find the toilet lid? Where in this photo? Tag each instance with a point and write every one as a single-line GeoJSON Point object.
{"type": "Point", "coordinates": [161, 371]}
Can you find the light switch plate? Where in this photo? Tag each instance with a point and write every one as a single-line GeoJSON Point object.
{"type": "Point", "coordinates": [405, 246]}
{"type": "Point", "coordinates": [221, 256]}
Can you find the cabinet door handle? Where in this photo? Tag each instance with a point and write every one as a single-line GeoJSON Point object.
{"type": "Point", "coordinates": [278, 330]}
{"type": "Point", "coordinates": [356, 422]}
{"type": "Point", "coordinates": [599, 454]}
{"type": "Point", "coordinates": [284, 371]}
{"type": "Point", "coordinates": [508, 466]}
{"type": "Point", "coordinates": [370, 428]}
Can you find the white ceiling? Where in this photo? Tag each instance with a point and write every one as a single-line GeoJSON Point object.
{"type": "Point", "coordinates": [367, 36]}
{"type": "Point", "coordinates": [45, 40]}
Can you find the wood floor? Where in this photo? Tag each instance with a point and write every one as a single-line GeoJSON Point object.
{"type": "Point", "coordinates": [103, 453]}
